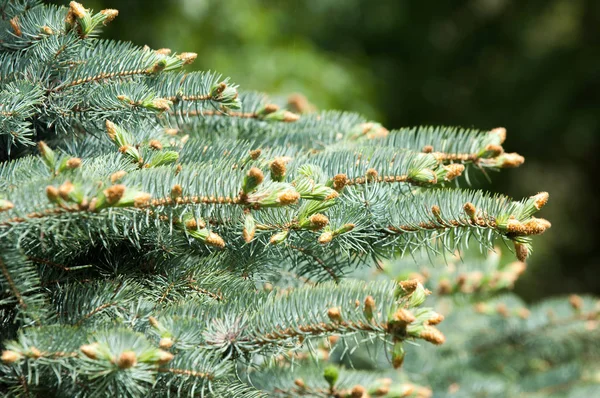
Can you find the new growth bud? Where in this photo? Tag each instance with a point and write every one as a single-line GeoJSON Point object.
{"type": "Point", "coordinates": [453, 170]}
{"type": "Point", "coordinates": [540, 200]}
{"type": "Point", "coordinates": [73, 163]}
{"type": "Point", "coordinates": [5, 205]}
{"type": "Point", "coordinates": [325, 238]}
{"type": "Point", "coordinates": [77, 9]}
{"type": "Point", "coordinates": [126, 360]}
{"type": "Point", "coordinates": [176, 191]}
{"type": "Point", "coordinates": [90, 350]}
{"type": "Point", "coordinates": [10, 357]}
{"type": "Point", "coordinates": [214, 240]}
{"type": "Point", "coordinates": [165, 343]}
{"type": "Point", "coordinates": [500, 132]}
{"type": "Point", "coordinates": [334, 314]}
{"type": "Point", "coordinates": [432, 335]}
{"type": "Point", "coordinates": [164, 357]}
{"type": "Point", "coordinates": [278, 169]}
{"type": "Point", "coordinates": [318, 221]}
{"type": "Point", "coordinates": [358, 391]}
{"type": "Point", "coordinates": [252, 180]}
{"type": "Point", "coordinates": [109, 14]}
{"type": "Point", "coordinates": [117, 175]}
{"type": "Point", "coordinates": [339, 182]}
{"type": "Point", "coordinates": [187, 58]}
{"type": "Point", "coordinates": [369, 309]}
{"type": "Point", "coordinates": [288, 198]}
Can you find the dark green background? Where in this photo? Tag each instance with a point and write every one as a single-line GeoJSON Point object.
{"type": "Point", "coordinates": [531, 66]}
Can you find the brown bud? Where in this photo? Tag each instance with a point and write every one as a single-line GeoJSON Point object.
{"type": "Point", "coordinates": [47, 30]}
{"type": "Point", "coordinates": [288, 198]}
{"type": "Point", "coordinates": [77, 9]}
{"type": "Point", "coordinates": [278, 169]}
{"type": "Point", "coordinates": [165, 343]}
{"type": "Point", "coordinates": [339, 182]}
{"type": "Point", "coordinates": [409, 285]}
{"type": "Point", "coordinates": [14, 24]}
{"type": "Point", "coordinates": [153, 321]}
{"type": "Point", "coordinates": [155, 145]}
{"type": "Point", "coordinates": [163, 51]}
{"type": "Point", "coordinates": [333, 339]}
{"type": "Point", "coordinates": [90, 350]}
{"type": "Point", "coordinates": [319, 221]}
{"type": "Point", "coordinates": [334, 314]}
{"type": "Point", "coordinates": [52, 193]}
{"type": "Point", "coordinates": [325, 238]}
{"type": "Point", "coordinates": [358, 391]}
{"type": "Point", "coordinates": [256, 174]}
{"type": "Point", "coordinates": [501, 132]}
{"type": "Point", "coordinates": [9, 356]}
{"type": "Point", "coordinates": [541, 199]}
{"type": "Point", "coordinates": [110, 14]}
{"type": "Point", "coordinates": [255, 153]}
{"type": "Point", "coordinates": [576, 302]}
{"type": "Point", "coordinates": [427, 149]}
{"type": "Point", "coordinates": [471, 210]}
{"type": "Point", "coordinates": [111, 129]}
{"type": "Point", "coordinates": [332, 195]}
{"type": "Point", "coordinates": [114, 193]}
{"type": "Point", "coordinates": [494, 150]}
{"type": "Point", "coordinates": [6, 205]}
{"type": "Point", "coordinates": [453, 170]}
{"type": "Point", "coordinates": [290, 117]}
{"type": "Point", "coordinates": [164, 357]}
{"type": "Point", "coordinates": [142, 199]}
{"type": "Point", "coordinates": [300, 383]}
{"type": "Point", "coordinates": [73, 163]}
{"type": "Point", "coordinates": [187, 58]}
{"type": "Point", "coordinates": [127, 360]}
{"type": "Point", "coordinates": [512, 160]}
{"type": "Point", "coordinates": [521, 251]}
{"type": "Point", "coordinates": [371, 174]}
{"type": "Point", "coordinates": [381, 391]}
{"type": "Point", "coordinates": [270, 108]}
{"type": "Point", "coordinates": [436, 319]}
{"type": "Point", "coordinates": [116, 176]}
{"type": "Point", "coordinates": [176, 191]}
{"type": "Point", "coordinates": [35, 353]}
{"type": "Point", "coordinates": [171, 132]}
{"type": "Point", "coordinates": [370, 307]}
{"type": "Point", "coordinates": [214, 240]}
{"type": "Point", "coordinates": [161, 104]}
{"type": "Point", "coordinates": [432, 335]}
{"type": "Point", "coordinates": [65, 190]}
{"type": "Point", "coordinates": [178, 169]}
{"type": "Point", "coordinates": [404, 316]}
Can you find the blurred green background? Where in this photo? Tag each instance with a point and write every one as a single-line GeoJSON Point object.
{"type": "Point", "coordinates": [531, 66]}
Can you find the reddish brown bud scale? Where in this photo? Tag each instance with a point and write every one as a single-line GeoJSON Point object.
{"type": "Point", "coordinates": [73, 163]}
{"type": "Point", "coordinates": [155, 145]}
{"type": "Point", "coordinates": [214, 240]}
{"type": "Point", "coordinates": [126, 360]}
{"type": "Point", "coordinates": [114, 193]}
{"type": "Point", "coordinates": [433, 335]}
{"type": "Point", "coordinates": [334, 314]}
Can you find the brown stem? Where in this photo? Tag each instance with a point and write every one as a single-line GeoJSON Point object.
{"type": "Point", "coordinates": [12, 285]}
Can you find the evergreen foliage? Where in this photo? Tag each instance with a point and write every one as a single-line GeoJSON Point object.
{"type": "Point", "coordinates": [169, 237]}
